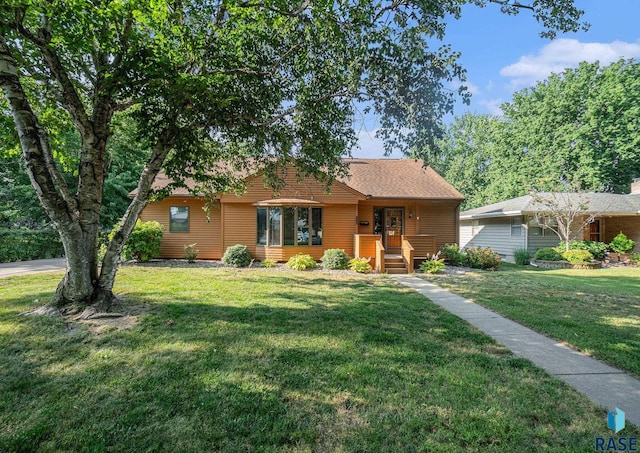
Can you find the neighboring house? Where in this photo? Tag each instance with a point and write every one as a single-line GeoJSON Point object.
{"type": "Point", "coordinates": [511, 225]}
{"type": "Point", "coordinates": [384, 207]}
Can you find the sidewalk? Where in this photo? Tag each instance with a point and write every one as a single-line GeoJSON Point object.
{"type": "Point", "coordinates": [602, 384]}
{"type": "Point", "coordinates": [31, 267]}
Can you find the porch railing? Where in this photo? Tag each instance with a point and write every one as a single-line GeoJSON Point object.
{"type": "Point", "coordinates": [379, 264]}
{"type": "Point", "coordinates": [407, 255]}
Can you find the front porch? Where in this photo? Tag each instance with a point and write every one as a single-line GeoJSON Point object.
{"type": "Point", "coordinates": [413, 248]}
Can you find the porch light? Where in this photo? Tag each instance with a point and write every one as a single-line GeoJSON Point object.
{"type": "Point", "coordinates": [410, 214]}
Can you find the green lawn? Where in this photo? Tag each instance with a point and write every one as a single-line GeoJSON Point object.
{"type": "Point", "coordinates": [264, 360]}
{"type": "Point", "coordinates": [596, 311]}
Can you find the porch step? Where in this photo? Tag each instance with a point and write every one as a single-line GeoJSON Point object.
{"type": "Point", "coordinates": [394, 265]}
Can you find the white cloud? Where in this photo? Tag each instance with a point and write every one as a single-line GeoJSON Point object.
{"type": "Point", "coordinates": [493, 106]}
{"type": "Point", "coordinates": [471, 87]}
{"type": "Point", "coordinates": [369, 146]}
{"type": "Point", "coordinates": [560, 54]}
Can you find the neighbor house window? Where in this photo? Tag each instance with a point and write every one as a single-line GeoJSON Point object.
{"type": "Point", "coordinates": [179, 219]}
{"type": "Point", "coordinates": [475, 227]}
{"type": "Point", "coordinates": [290, 225]}
{"type": "Point", "coordinates": [516, 226]}
{"type": "Point", "coordinates": [534, 228]}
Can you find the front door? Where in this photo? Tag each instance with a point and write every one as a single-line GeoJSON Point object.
{"type": "Point", "coordinates": [393, 229]}
{"type": "Point", "coordinates": [594, 231]}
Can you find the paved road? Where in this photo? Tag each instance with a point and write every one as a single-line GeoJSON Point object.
{"type": "Point", "coordinates": [606, 386]}
{"type": "Point", "coordinates": [31, 267]}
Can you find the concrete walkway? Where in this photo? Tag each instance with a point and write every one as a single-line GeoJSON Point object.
{"type": "Point", "coordinates": [31, 267]}
{"type": "Point", "coordinates": [602, 384]}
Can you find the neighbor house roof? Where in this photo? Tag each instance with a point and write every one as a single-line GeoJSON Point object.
{"type": "Point", "coordinates": [375, 178]}
{"type": "Point", "coordinates": [602, 204]}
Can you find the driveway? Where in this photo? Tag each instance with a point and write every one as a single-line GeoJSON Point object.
{"type": "Point", "coordinates": [32, 267]}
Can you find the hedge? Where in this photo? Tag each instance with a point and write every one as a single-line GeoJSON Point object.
{"type": "Point", "coordinates": [21, 244]}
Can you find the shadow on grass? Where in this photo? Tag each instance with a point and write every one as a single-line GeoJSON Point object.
{"type": "Point", "coordinates": [285, 364]}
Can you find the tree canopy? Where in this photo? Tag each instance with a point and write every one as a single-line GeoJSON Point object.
{"type": "Point", "coordinates": [579, 128]}
{"type": "Point", "coordinates": [205, 81]}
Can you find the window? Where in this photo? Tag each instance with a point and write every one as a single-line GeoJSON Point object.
{"type": "Point", "coordinates": [291, 225]}
{"type": "Point", "coordinates": [516, 226]}
{"type": "Point", "coordinates": [475, 227]}
{"type": "Point", "coordinates": [179, 219]}
{"type": "Point", "coordinates": [534, 228]}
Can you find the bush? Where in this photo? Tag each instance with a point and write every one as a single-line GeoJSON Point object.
{"type": "Point", "coordinates": [360, 265]}
{"type": "Point", "coordinates": [190, 253]}
{"type": "Point", "coordinates": [621, 244]}
{"type": "Point", "coordinates": [597, 249]}
{"type": "Point", "coordinates": [451, 254]}
{"type": "Point", "coordinates": [433, 264]}
{"type": "Point", "coordinates": [635, 259]}
{"type": "Point", "coordinates": [268, 262]}
{"type": "Point", "coordinates": [236, 256]}
{"type": "Point", "coordinates": [522, 257]}
{"type": "Point", "coordinates": [578, 256]}
{"type": "Point", "coordinates": [335, 259]}
{"type": "Point", "coordinates": [21, 244]}
{"type": "Point", "coordinates": [144, 241]}
{"type": "Point", "coordinates": [482, 258]}
{"type": "Point", "coordinates": [301, 262]}
{"type": "Point", "coordinates": [548, 254]}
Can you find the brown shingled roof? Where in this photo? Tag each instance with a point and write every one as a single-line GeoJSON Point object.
{"type": "Point", "coordinates": [377, 178]}
{"type": "Point", "coordinates": [398, 178]}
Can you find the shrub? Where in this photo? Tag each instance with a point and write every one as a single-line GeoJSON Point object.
{"type": "Point", "coordinates": [433, 264]}
{"type": "Point", "coordinates": [360, 265]}
{"type": "Point", "coordinates": [451, 254]}
{"type": "Point", "coordinates": [144, 241]}
{"type": "Point", "coordinates": [597, 249]}
{"type": "Point", "coordinates": [268, 262]}
{"type": "Point", "coordinates": [301, 262]}
{"type": "Point", "coordinates": [190, 253]}
{"type": "Point", "coordinates": [621, 244]}
{"type": "Point", "coordinates": [482, 258]}
{"type": "Point", "coordinates": [548, 254]}
{"type": "Point", "coordinates": [522, 257]}
{"type": "Point", "coordinates": [578, 256]}
{"type": "Point", "coordinates": [635, 259]}
{"type": "Point", "coordinates": [21, 244]}
{"type": "Point", "coordinates": [236, 256]}
{"type": "Point", "coordinates": [335, 259]}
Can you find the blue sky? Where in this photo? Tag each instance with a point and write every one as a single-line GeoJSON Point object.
{"type": "Point", "coordinates": [503, 54]}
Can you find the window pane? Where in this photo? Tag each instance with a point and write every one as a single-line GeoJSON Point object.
{"type": "Point", "coordinates": [289, 226]}
{"type": "Point", "coordinates": [262, 226]}
{"type": "Point", "coordinates": [316, 226]}
{"type": "Point", "coordinates": [516, 226]}
{"type": "Point", "coordinates": [274, 226]}
{"type": "Point", "coordinates": [303, 226]}
{"type": "Point", "coordinates": [179, 219]}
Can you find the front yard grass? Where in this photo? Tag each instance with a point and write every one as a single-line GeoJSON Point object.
{"type": "Point", "coordinates": [596, 311]}
{"type": "Point", "coordinates": [229, 360]}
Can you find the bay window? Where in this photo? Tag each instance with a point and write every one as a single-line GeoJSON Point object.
{"type": "Point", "coordinates": [289, 226]}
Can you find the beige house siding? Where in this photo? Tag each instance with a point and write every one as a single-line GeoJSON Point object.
{"type": "Point", "coordinates": [205, 233]}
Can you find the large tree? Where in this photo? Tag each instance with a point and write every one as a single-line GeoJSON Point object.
{"type": "Point", "coordinates": [579, 128]}
{"type": "Point", "coordinates": [206, 81]}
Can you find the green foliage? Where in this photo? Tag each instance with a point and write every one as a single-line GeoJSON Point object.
{"type": "Point", "coordinates": [301, 262]}
{"type": "Point", "coordinates": [622, 244]}
{"type": "Point", "coordinates": [190, 252]}
{"type": "Point", "coordinates": [433, 264]}
{"type": "Point", "coordinates": [577, 256]}
{"type": "Point", "coordinates": [482, 258]}
{"type": "Point", "coordinates": [522, 257]}
{"type": "Point", "coordinates": [236, 256]}
{"type": "Point", "coordinates": [548, 254]}
{"type": "Point", "coordinates": [21, 244]}
{"type": "Point", "coordinates": [268, 263]}
{"type": "Point", "coordinates": [597, 249]}
{"type": "Point", "coordinates": [635, 258]}
{"type": "Point", "coordinates": [360, 265]}
{"type": "Point", "coordinates": [335, 259]}
{"type": "Point", "coordinates": [451, 254]}
{"type": "Point", "coordinates": [577, 126]}
{"type": "Point", "coordinates": [144, 242]}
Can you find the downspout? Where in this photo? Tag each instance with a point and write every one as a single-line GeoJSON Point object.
{"type": "Point", "coordinates": [457, 223]}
